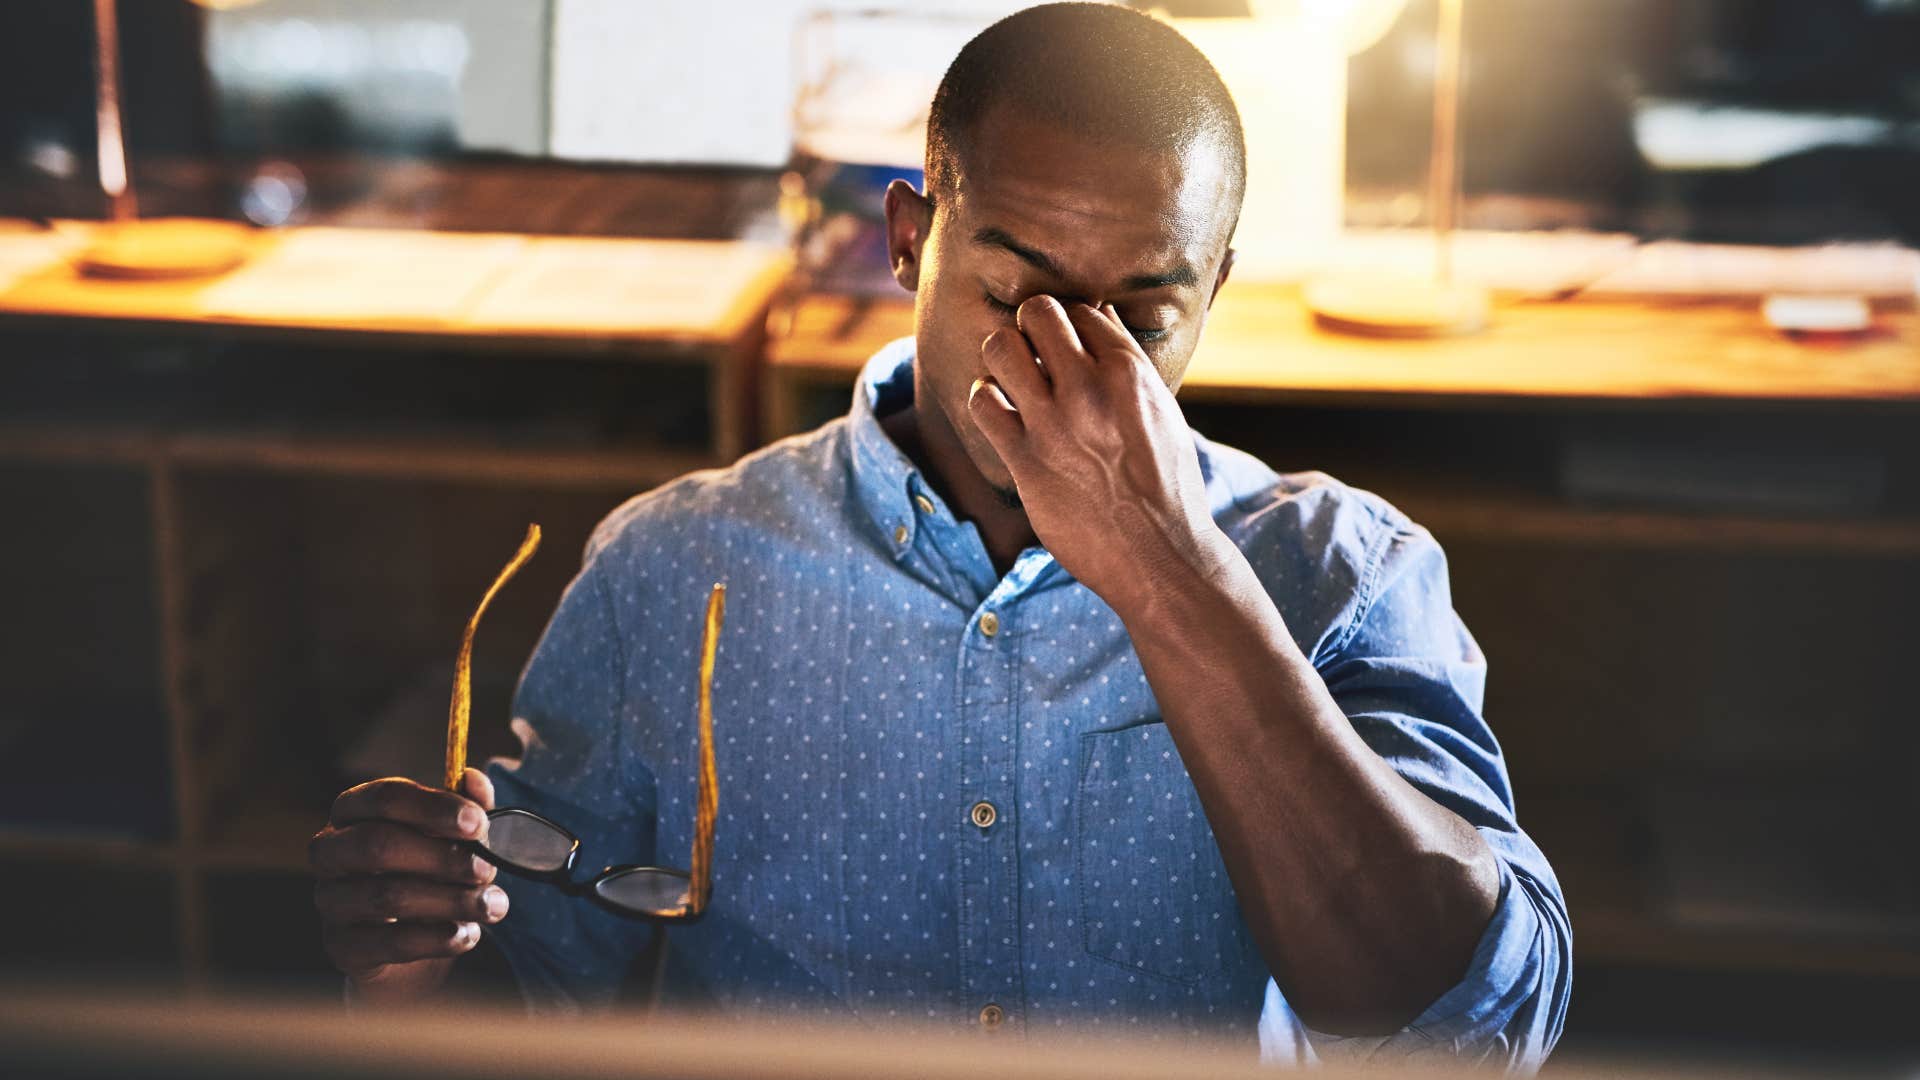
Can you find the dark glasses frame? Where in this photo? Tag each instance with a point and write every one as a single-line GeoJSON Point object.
{"type": "Point", "coordinates": [562, 876]}
{"type": "Point", "coordinates": [698, 880]}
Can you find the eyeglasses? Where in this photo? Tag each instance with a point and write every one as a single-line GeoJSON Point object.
{"type": "Point", "coordinates": [528, 845]}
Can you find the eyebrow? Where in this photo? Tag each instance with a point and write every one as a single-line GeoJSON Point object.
{"type": "Point", "coordinates": [991, 236]}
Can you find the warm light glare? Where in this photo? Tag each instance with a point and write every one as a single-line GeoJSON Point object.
{"type": "Point", "coordinates": [1357, 24]}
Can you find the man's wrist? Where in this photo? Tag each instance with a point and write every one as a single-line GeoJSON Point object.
{"type": "Point", "coordinates": [399, 983]}
{"type": "Point", "coordinates": [1194, 574]}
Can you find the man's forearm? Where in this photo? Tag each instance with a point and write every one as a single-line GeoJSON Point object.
{"type": "Point", "coordinates": [1366, 897]}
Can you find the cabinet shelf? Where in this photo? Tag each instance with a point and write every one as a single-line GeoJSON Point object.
{"type": "Point", "coordinates": [465, 460]}
{"type": "Point", "coordinates": [32, 844]}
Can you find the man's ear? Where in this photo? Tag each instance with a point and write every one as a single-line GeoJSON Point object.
{"type": "Point", "coordinates": [909, 217]}
{"type": "Point", "coordinates": [1219, 279]}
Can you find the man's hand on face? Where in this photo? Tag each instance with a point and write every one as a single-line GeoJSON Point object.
{"type": "Point", "coordinates": [1099, 451]}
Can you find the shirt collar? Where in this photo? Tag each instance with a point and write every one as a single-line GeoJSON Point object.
{"type": "Point", "coordinates": [885, 480]}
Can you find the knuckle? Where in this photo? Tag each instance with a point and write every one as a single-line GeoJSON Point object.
{"type": "Point", "coordinates": [388, 800]}
{"type": "Point", "coordinates": [384, 898]}
{"type": "Point", "coordinates": [382, 845]}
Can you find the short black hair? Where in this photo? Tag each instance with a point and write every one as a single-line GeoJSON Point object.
{"type": "Point", "coordinates": [1099, 70]}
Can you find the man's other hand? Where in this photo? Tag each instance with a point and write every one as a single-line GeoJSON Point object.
{"type": "Point", "coordinates": [399, 895]}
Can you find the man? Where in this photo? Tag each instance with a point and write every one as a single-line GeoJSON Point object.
{"type": "Point", "coordinates": [1034, 708]}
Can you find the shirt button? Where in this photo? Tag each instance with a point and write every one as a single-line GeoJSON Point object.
{"type": "Point", "coordinates": [991, 1016]}
{"type": "Point", "coordinates": [989, 624]}
{"type": "Point", "coordinates": [899, 534]}
{"type": "Point", "coordinates": [925, 504]}
{"type": "Point", "coordinates": [984, 814]}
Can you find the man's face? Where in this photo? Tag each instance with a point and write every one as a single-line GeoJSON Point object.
{"type": "Point", "coordinates": [1042, 211]}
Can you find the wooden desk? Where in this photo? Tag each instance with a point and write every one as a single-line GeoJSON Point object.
{"type": "Point", "coordinates": [1261, 347]}
{"type": "Point", "coordinates": [269, 508]}
{"type": "Point", "coordinates": [515, 300]}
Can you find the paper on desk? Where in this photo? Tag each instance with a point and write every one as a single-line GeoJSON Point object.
{"type": "Point", "coordinates": [366, 276]}
{"type": "Point", "coordinates": [656, 287]}
{"type": "Point", "coordinates": [1615, 264]}
{"type": "Point", "coordinates": [1527, 262]}
{"type": "Point", "coordinates": [1671, 267]}
{"type": "Point", "coordinates": [25, 251]}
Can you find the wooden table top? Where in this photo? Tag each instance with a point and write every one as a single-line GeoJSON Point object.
{"type": "Point", "coordinates": [1261, 344]}
{"type": "Point", "coordinates": [468, 288]}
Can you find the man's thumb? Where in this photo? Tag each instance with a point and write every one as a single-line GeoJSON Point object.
{"type": "Point", "coordinates": [475, 785]}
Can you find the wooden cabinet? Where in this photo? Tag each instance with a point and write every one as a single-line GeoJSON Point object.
{"type": "Point", "coordinates": [237, 565]}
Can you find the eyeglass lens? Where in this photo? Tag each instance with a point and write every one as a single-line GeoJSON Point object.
{"type": "Point", "coordinates": [645, 891]}
{"type": "Point", "coordinates": [528, 842]}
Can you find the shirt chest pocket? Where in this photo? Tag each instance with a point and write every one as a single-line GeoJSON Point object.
{"type": "Point", "coordinates": [1154, 894]}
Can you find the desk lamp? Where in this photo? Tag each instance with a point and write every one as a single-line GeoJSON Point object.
{"type": "Point", "coordinates": [1403, 306]}
{"type": "Point", "coordinates": [128, 247]}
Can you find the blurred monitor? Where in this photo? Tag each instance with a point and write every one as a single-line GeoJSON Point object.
{"type": "Point", "coordinates": [1743, 121]}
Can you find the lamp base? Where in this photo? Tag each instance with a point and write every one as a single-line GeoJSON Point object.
{"type": "Point", "coordinates": [164, 248]}
{"type": "Point", "coordinates": [1396, 307]}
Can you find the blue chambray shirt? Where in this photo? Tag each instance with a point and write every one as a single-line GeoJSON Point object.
{"type": "Point", "coordinates": [864, 703]}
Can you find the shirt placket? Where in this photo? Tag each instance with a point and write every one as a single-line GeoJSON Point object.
{"type": "Point", "coordinates": [988, 870]}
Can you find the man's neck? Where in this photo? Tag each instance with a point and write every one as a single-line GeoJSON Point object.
{"type": "Point", "coordinates": [933, 447]}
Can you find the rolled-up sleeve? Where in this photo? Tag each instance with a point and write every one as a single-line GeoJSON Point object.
{"type": "Point", "coordinates": [569, 955]}
{"type": "Point", "coordinates": [1411, 679]}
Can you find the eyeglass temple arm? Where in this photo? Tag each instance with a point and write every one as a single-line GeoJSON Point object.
{"type": "Point", "coordinates": [700, 864]}
{"type": "Point", "coordinates": [459, 712]}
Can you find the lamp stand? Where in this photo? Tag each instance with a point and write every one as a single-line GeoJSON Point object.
{"type": "Point", "coordinates": [128, 247]}
{"type": "Point", "coordinates": [1439, 306]}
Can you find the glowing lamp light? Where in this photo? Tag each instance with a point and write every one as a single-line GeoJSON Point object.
{"type": "Point", "coordinates": [1383, 305]}
{"type": "Point", "coordinates": [1357, 24]}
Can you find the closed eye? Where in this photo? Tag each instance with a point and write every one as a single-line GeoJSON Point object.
{"type": "Point", "coordinates": [1143, 334]}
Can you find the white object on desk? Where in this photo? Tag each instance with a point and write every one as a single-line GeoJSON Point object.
{"type": "Point", "coordinates": [1818, 314]}
{"type": "Point", "coordinates": [26, 250]}
{"type": "Point", "coordinates": [1676, 268]}
{"type": "Point", "coordinates": [375, 276]}
{"type": "Point", "coordinates": [610, 286]}
{"type": "Point", "coordinates": [1615, 264]}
